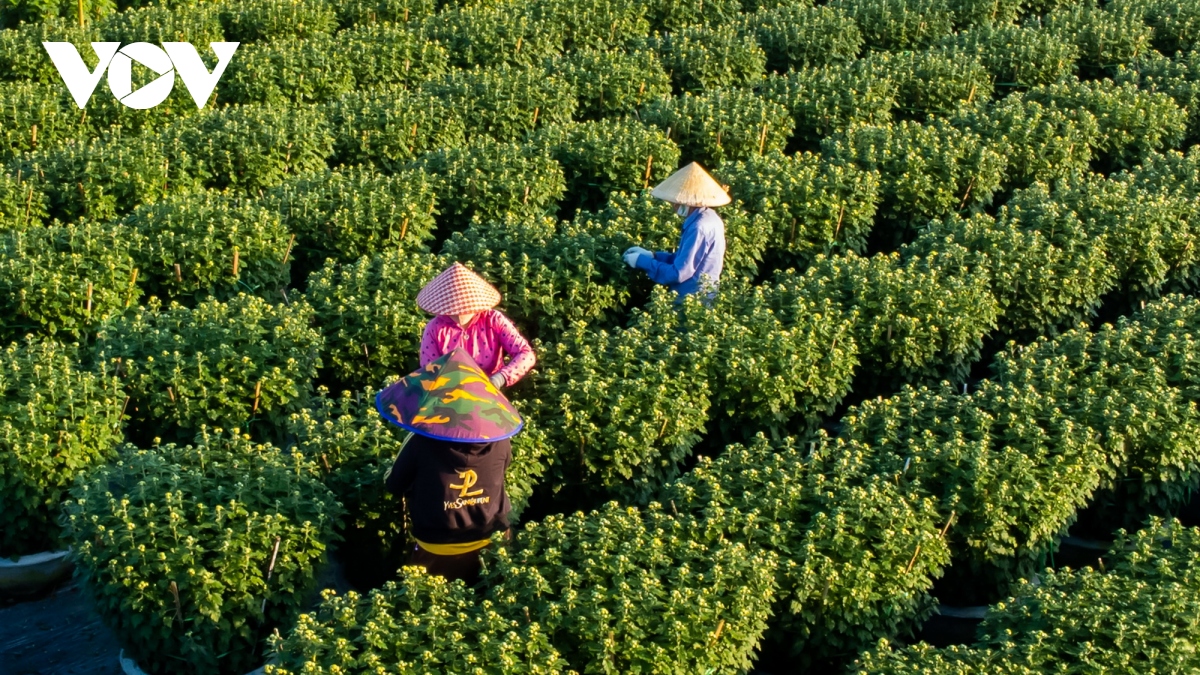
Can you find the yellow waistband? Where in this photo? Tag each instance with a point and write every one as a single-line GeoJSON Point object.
{"type": "Point", "coordinates": [453, 549]}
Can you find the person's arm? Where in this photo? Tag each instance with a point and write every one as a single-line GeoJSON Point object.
{"type": "Point", "coordinates": [665, 257]}
{"type": "Point", "coordinates": [400, 478]}
{"type": "Point", "coordinates": [430, 349]}
{"type": "Point", "coordinates": [521, 356]}
{"type": "Point", "coordinates": [684, 264]}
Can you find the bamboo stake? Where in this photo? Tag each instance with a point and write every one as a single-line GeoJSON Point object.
{"type": "Point", "coordinates": [270, 569]}
{"type": "Point", "coordinates": [525, 199]}
{"type": "Point", "coordinates": [762, 139]}
{"type": "Point", "coordinates": [535, 115]}
{"type": "Point", "coordinates": [33, 140]}
{"type": "Point", "coordinates": [81, 26]}
{"type": "Point", "coordinates": [236, 260]}
{"type": "Point", "coordinates": [257, 392]}
{"type": "Point", "coordinates": [171, 393]}
{"type": "Point", "coordinates": [649, 163]}
{"type": "Point", "coordinates": [367, 354]}
{"type": "Point", "coordinates": [132, 282]}
{"type": "Point", "coordinates": [403, 229]}
{"type": "Point", "coordinates": [174, 586]}
{"type": "Point", "coordinates": [178, 273]}
{"type": "Point", "coordinates": [89, 299]}
{"type": "Point", "coordinates": [124, 406]}
{"type": "Point", "coordinates": [914, 559]}
{"type": "Point", "coordinates": [325, 461]}
{"type": "Point", "coordinates": [716, 636]}
{"type": "Point", "coordinates": [288, 251]}
{"type": "Point", "coordinates": [283, 292]}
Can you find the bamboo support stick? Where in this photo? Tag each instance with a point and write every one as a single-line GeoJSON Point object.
{"type": "Point", "coordinates": [89, 299]}
{"type": "Point", "coordinates": [287, 253]}
{"type": "Point", "coordinates": [236, 261]}
{"type": "Point", "coordinates": [175, 589]}
{"type": "Point", "coordinates": [178, 273]}
{"type": "Point", "coordinates": [717, 635]}
{"type": "Point", "coordinates": [33, 137]}
{"type": "Point", "coordinates": [257, 392]}
{"type": "Point", "coordinates": [132, 284]}
{"type": "Point", "coordinates": [649, 163]}
{"type": "Point", "coordinates": [762, 139]}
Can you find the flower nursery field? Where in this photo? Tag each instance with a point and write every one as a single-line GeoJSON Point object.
{"type": "Point", "coordinates": [956, 325]}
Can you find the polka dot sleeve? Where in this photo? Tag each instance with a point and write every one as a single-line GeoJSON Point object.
{"type": "Point", "coordinates": [430, 349]}
{"type": "Point", "coordinates": [522, 358]}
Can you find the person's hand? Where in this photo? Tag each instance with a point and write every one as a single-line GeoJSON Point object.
{"type": "Point", "coordinates": [497, 380]}
{"type": "Point", "coordinates": [631, 255]}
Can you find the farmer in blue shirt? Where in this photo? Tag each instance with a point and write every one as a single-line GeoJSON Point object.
{"type": "Point", "coordinates": [695, 266]}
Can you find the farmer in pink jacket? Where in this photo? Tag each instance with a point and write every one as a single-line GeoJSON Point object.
{"type": "Point", "coordinates": [463, 303]}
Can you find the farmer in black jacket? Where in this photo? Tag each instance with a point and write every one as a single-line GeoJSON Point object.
{"type": "Point", "coordinates": [451, 467]}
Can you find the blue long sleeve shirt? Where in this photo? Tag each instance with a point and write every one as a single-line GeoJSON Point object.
{"type": "Point", "coordinates": [697, 262]}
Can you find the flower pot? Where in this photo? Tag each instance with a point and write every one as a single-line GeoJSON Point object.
{"type": "Point", "coordinates": [129, 667]}
{"type": "Point", "coordinates": [31, 574]}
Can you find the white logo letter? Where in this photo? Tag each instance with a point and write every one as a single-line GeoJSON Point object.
{"type": "Point", "coordinates": [74, 72]}
{"type": "Point", "coordinates": [120, 75]}
{"type": "Point", "coordinates": [199, 82]}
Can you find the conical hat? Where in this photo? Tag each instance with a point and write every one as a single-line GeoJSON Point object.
{"type": "Point", "coordinates": [451, 399]}
{"type": "Point", "coordinates": [457, 290]}
{"type": "Point", "coordinates": [691, 186]}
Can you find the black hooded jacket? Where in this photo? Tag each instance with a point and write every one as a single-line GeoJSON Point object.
{"type": "Point", "coordinates": [455, 491]}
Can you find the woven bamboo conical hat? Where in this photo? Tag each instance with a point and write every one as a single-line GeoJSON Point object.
{"type": "Point", "coordinates": [457, 290]}
{"type": "Point", "coordinates": [691, 186]}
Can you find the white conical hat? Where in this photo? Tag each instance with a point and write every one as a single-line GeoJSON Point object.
{"type": "Point", "coordinates": [691, 186]}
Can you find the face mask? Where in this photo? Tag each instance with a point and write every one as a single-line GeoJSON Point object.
{"type": "Point", "coordinates": [682, 210]}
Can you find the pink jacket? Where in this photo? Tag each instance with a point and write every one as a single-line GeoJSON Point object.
{"type": "Point", "coordinates": [488, 337]}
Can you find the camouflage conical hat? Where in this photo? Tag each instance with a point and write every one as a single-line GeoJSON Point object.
{"type": "Point", "coordinates": [692, 186]}
{"type": "Point", "coordinates": [451, 399]}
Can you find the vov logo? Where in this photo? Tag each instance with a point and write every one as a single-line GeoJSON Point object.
{"type": "Point", "coordinates": [171, 58]}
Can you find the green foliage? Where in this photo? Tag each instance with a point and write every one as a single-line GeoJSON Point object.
{"type": "Point", "coordinates": [795, 36]}
{"type": "Point", "coordinates": [186, 246]}
{"type": "Point", "coordinates": [1040, 142]}
{"type": "Point", "coordinates": [548, 275]}
{"type": "Point", "coordinates": [1147, 223]}
{"type": "Point", "coordinates": [22, 56]}
{"type": "Point", "coordinates": [288, 71]}
{"type": "Point", "coordinates": [1178, 78]}
{"type": "Point", "coordinates": [922, 316]}
{"type": "Point", "coordinates": [22, 204]}
{"type": "Point", "coordinates": [199, 23]}
{"type": "Point", "coordinates": [1132, 122]}
{"type": "Point", "coordinates": [252, 148]}
{"type": "Point", "coordinates": [368, 12]}
{"type": "Point", "coordinates": [220, 363]}
{"type": "Point", "coordinates": [65, 279]}
{"type": "Point", "coordinates": [811, 205]}
{"type": "Point", "coordinates": [830, 99]}
{"type": "Point", "coordinates": [1017, 56]}
{"type": "Point", "coordinates": [622, 408]}
{"type": "Point", "coordinates": [494, 33]}
{"type": "Point", "coordinates": [418, 624]}
{"type": "Point", "coordinates": [1137, 616]}
{"type": "Point", "coordinates": [489, 179]}
{"type": "Point", "coordinates": [985, 13]}
{"type": "Point", "coordinates": [612, 83]}
{"type": "Point", "coordinates": [268, 20]}
{"type": "Point", "coordinates": [620, 590]}
{"type": "Point", "coordinates": [177, 548]}
{"type": "Point", "coordinates": [858, 550]}
{"type": "Point", "coordinates": [704, 58]}
{"type": "Point", "coordinates": [672, 15]}
{"type": "Point", "coordinates": [933, 83]}
{"type": "Point", "coordinates": [391, 126]}
{"type": "Point", "coordinates": [505, 102]}
{"type": "Point", "coordinates": [368, 313]}
{"type": "Point", "coordinates": [355, 211]}
{"type": "Point", "coordinates": [57, 420]}
{"type": "Point", "coordinates": [775, 356]}
{"type": "Point", "coordinates": [1105, 39]}
{"type": "Point", "coordinates": [1047, 269]}
{"type": "Point", "coordinates": [593, 24]}
{"type": "Point", "coordinates": [722, 125]}
{"type": "Point", "coordinates": [48, 108]}
{"type": "Point", "coordinates": [14, 12]}
{"type": "Point", "coordinates": [609, 155]}
{"type": "Point", "coordinates": [926, 170]}
{"type": "Point", "coordinates": [103, 178]}
{"type": "Point", "coordinates": [895, 25]}
{"type": "Point", "coordinates": [386, 54]}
